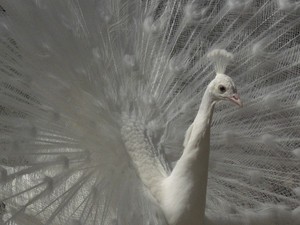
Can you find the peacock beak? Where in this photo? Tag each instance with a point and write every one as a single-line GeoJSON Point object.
{"type": "Point", "coordinates": [235, 98]}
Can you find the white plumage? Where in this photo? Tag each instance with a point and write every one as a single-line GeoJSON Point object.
{"type": "Point", "coordinates": [99, 115]}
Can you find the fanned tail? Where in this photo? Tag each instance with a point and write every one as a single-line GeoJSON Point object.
{"type": "Point", "coordinates": [79, 78]}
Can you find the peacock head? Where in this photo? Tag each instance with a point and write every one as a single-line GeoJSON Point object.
{"type": "Point", "coordinates": [223, 88]}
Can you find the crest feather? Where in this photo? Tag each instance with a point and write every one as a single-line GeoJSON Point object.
{"type": "Point", "coordinates": [220, 59]}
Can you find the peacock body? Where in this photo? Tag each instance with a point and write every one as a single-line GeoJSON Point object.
{"type": "Point", "coordinates": [98, 97]}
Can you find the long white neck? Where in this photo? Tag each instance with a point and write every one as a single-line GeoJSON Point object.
{"type": "Point", "coordinates": [184, 191]}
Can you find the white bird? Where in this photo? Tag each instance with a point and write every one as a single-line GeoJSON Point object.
{"type": "Point", "coordinates": [97, 100]}
{"type": "Point", "coordinates": [183, 194]}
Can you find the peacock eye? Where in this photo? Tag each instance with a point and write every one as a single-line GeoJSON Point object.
{"type": "Point", "coordinates": [222, 88]}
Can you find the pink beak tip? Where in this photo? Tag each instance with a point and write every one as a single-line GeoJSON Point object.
{"type": "Point", "coordinates": [236, 99]}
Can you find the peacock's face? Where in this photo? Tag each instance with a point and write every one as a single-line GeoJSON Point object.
{"type": "Point", "coordinates": [224, 89]}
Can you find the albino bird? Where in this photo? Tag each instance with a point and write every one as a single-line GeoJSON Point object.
{"type": "Point", "coordinates": [100, 120]}
{"type": "Point", "coordinates": [183, 193]}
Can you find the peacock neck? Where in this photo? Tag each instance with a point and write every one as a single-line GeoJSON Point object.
{"type": "Point", "coordinates": [188, 180]}
{"type": "Point", "coordinates": [200, 134]}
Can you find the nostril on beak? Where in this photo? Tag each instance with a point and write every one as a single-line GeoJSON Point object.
{"type": "Point", "coordinates": [235, 96]}
{"type": "Point", "coordinates": [236, 99]}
